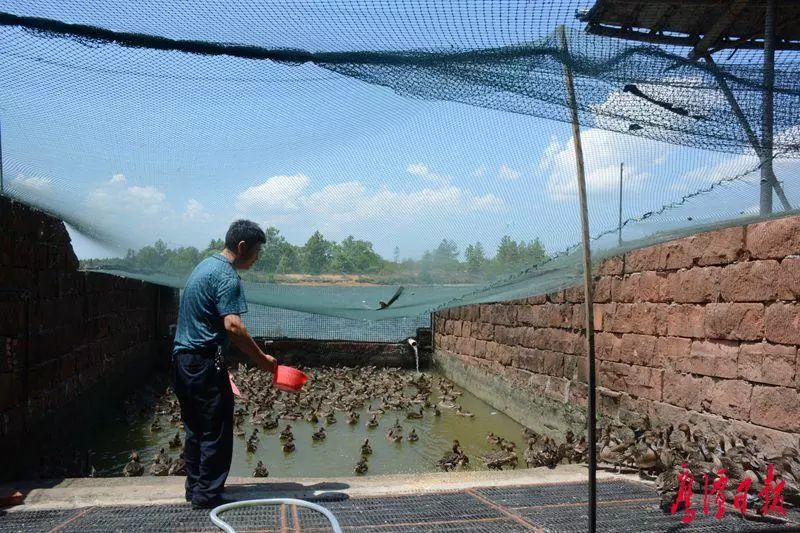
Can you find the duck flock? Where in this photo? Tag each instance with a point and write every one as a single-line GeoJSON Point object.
{"type": "Point", "coordinates": [389, 397]}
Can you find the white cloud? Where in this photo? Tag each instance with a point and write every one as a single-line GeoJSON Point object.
{"type": "Point", "coordinates": [420, 169]}
{"type": "Point", "coordinates": [602, 151]}
{"type": "Point", "coordinates": [352, 202]}
{"type": "Point", "coordinates": [118, 178]}
{"type": "Point", "coordinates": [31, 183]}
{"type": "Point", "coordinates": [195, 211]}
{"type": "Point", "coordinates": [116, 197]}
{"type": "Point", "coordinates": [278, 193]}
{"type": "Point", "coordinates": [508, 173]}
{"type": "Point", "coordinates": [480, 171]}
{"type": "Point", "coordinates": [488, 203]}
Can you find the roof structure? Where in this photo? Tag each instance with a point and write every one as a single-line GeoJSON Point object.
{"type": "Point", "coordinates": [704, 25]}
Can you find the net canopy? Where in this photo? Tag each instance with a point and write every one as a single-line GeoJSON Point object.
{"type": "Point", "coordinates": [381, 143]}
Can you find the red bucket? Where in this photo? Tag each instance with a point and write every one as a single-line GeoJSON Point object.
{"type": "Point", "coordinates": [289, 379]}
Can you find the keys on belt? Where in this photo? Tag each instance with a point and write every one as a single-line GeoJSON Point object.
{"type": "Point", "coordinates": [219, 359]}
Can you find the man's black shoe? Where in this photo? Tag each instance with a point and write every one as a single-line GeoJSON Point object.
{"type": "Point", "coordinates": [213, 502]}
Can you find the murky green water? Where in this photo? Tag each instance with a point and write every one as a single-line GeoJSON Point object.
{"type": "Point", "coordinates": [339, 452]}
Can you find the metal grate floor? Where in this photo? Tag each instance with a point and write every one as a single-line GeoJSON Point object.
{"type": "Point", "coordinates": [623, 506]}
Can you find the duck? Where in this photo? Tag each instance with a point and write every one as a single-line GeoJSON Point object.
{"type": "Point", "coordinates": [178, 466]}
{"type": "Point", "coordinates": [252, 441]}
{"type": "Point", "coordinates": [436, 411]}
{"type": "Point", "coordinates": [565, 448]}
{"type": "Point", "coordinates": [394, 435]}
{"type": "Point", "coordinates": [499, 459]}
{"type": "Point", "coordinates": [311, 417]}
{"type": "Point", "coordinates": [155, 426]}
{"type": "Point", "coordinates": [528, 433]}
{"type": "Point", "coordinates": [453, 458]}
{"type": "Point", "coordinates": [361, 466]}
{"type": "Point", "coordinates": [260, 470]}
{"type": "Point", "coordinates": [397, 425]}
{"type": "Point", "coordinates": [366, 449]}
{"type": "Point", "coordinates": [270, 423]}
{"type": "Point", "coordinates": [352, 418]}
{"type": "Point", "coordinates": [447, 404]}
{"type": "Point", "coordinates": [160, 468]}
{"type": "Point", "coordinates": [161, 456]}
{"type": "Point", "coordinates": [461, 412]}
{"type": "Point", "coordinates": [319, 434]}
{"type": "Point", "coordinates": [492, 439]}
{"type": "Point", "coordinates": [175, 442]}
{"type": "Point", "coordinates": [134, 468]}
{"type": "Point", "coordinates": [330, 418]}
{"type": "Point", "coordinates": [238, 431]}
{"type": "Point", "coordinates": [531, 453]}
{"type": "Point", "coordinates": [288, 446]}
{"type": "Point", "coordinates": [286, 434]}
{"type": "Point", "coordinates": [413, 415]}
{"type": "Point", "coordinates": [579, 451]}
{"type": "Point", "coordinates": [372, 422]}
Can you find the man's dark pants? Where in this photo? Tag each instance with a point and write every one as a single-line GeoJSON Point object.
{"type": "Point", "coordinates": [206, 402]}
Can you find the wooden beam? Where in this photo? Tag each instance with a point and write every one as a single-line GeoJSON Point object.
{"type": "Point", "coordinates": [681, 40]}
{"type": "Point", "coordinates": [587, 284]}
{"type": "Point", "coordinates": [767, 108]}
{"type": "Point", "coordinates": [718, 28]}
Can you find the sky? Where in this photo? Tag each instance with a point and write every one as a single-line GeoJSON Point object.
{"type": "Point", "coordinates": [169, 146]}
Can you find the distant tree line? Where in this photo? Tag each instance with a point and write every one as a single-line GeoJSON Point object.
{"type": "Point", "coordinates": [318, 255]}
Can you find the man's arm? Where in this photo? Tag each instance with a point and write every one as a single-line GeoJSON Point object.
{"type": "Point", "coordinates": [241, 339]}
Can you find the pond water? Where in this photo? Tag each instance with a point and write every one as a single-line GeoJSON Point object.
{"type": "Point", "coordinates": [339, 452]}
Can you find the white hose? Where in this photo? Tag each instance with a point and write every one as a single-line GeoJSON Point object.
{"type": "Point", "coordinates": [220, 523]}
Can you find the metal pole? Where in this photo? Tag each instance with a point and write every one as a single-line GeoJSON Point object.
{"type": "Point", "coordinates": [587, 284]}
{"type": "Point", "coordinates": [1, 158]}
{"type": "Point", "coordinates": [767, 175]}
{"type": "Point", "coordinates": [619, 236]}
{"type": "Point", "coordinates": [751, 136]}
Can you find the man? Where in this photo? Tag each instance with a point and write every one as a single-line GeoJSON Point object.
{"type": "Point", "coordinates": [209, 319]}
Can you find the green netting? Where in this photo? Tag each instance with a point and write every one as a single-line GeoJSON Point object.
{"type": "Point", "coordinates": [418, 128]}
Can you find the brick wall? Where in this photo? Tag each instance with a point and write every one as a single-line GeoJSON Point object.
{"type": "Point", "coordinates": [703, 329]}
{"type": "Point", "coordinates": [64, 332]}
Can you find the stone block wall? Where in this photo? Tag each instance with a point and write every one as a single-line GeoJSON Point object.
{"type": "Point", "coordinates": [66, 334]}
{"type": "Point", "coordinates": [702, 329]}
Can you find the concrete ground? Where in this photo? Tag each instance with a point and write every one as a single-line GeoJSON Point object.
{"type": "Point", "coordinates": [517, 500]}
{"type": "Point", "coordinates": [149, 490]}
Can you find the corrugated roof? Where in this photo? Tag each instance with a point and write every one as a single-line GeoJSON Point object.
{"type": "Point", "coordinates": [706, 24]}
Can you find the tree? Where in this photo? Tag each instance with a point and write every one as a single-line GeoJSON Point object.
{"type": "Point", "coordinates": [446, 252]}
{"type": "Point", "coordinates": [533, 253]}
{"type": "Point", "coordinates": [149, 258]}
{"type": "Point", "coordinates": [354, 256]}
{"type": "Point", "coordinates": [215, 246]}
{"type": "Point", "coordinates": [316, 254]}
{"type": "Point", "coordinates": [272, 250]}
{"type": "Point", "coordinates": [507, 253]}
{"type": "Point", "coordinates": [182, 260]}
{"type": "Point", "coordinates": [475, 257]}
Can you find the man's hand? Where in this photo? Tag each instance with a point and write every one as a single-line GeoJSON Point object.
{"type": "Point", "coordinates": [268, 363]}
{"type": "Point", "coordinates": [242, 340]}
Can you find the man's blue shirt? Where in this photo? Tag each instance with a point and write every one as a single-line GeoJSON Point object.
{"type": "Point", "coordinates": [212, 291]}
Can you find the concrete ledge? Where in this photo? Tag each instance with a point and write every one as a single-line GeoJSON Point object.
{"type": "Point", "coordinates": [529, 408]}
{"type": "Point", "coordinates": [343, 353]}
{"type": "Point", "coordinates": [86, 492]}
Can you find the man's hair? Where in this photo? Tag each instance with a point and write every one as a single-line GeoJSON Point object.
{"type": "Point", "coordinates": [244, 230]}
